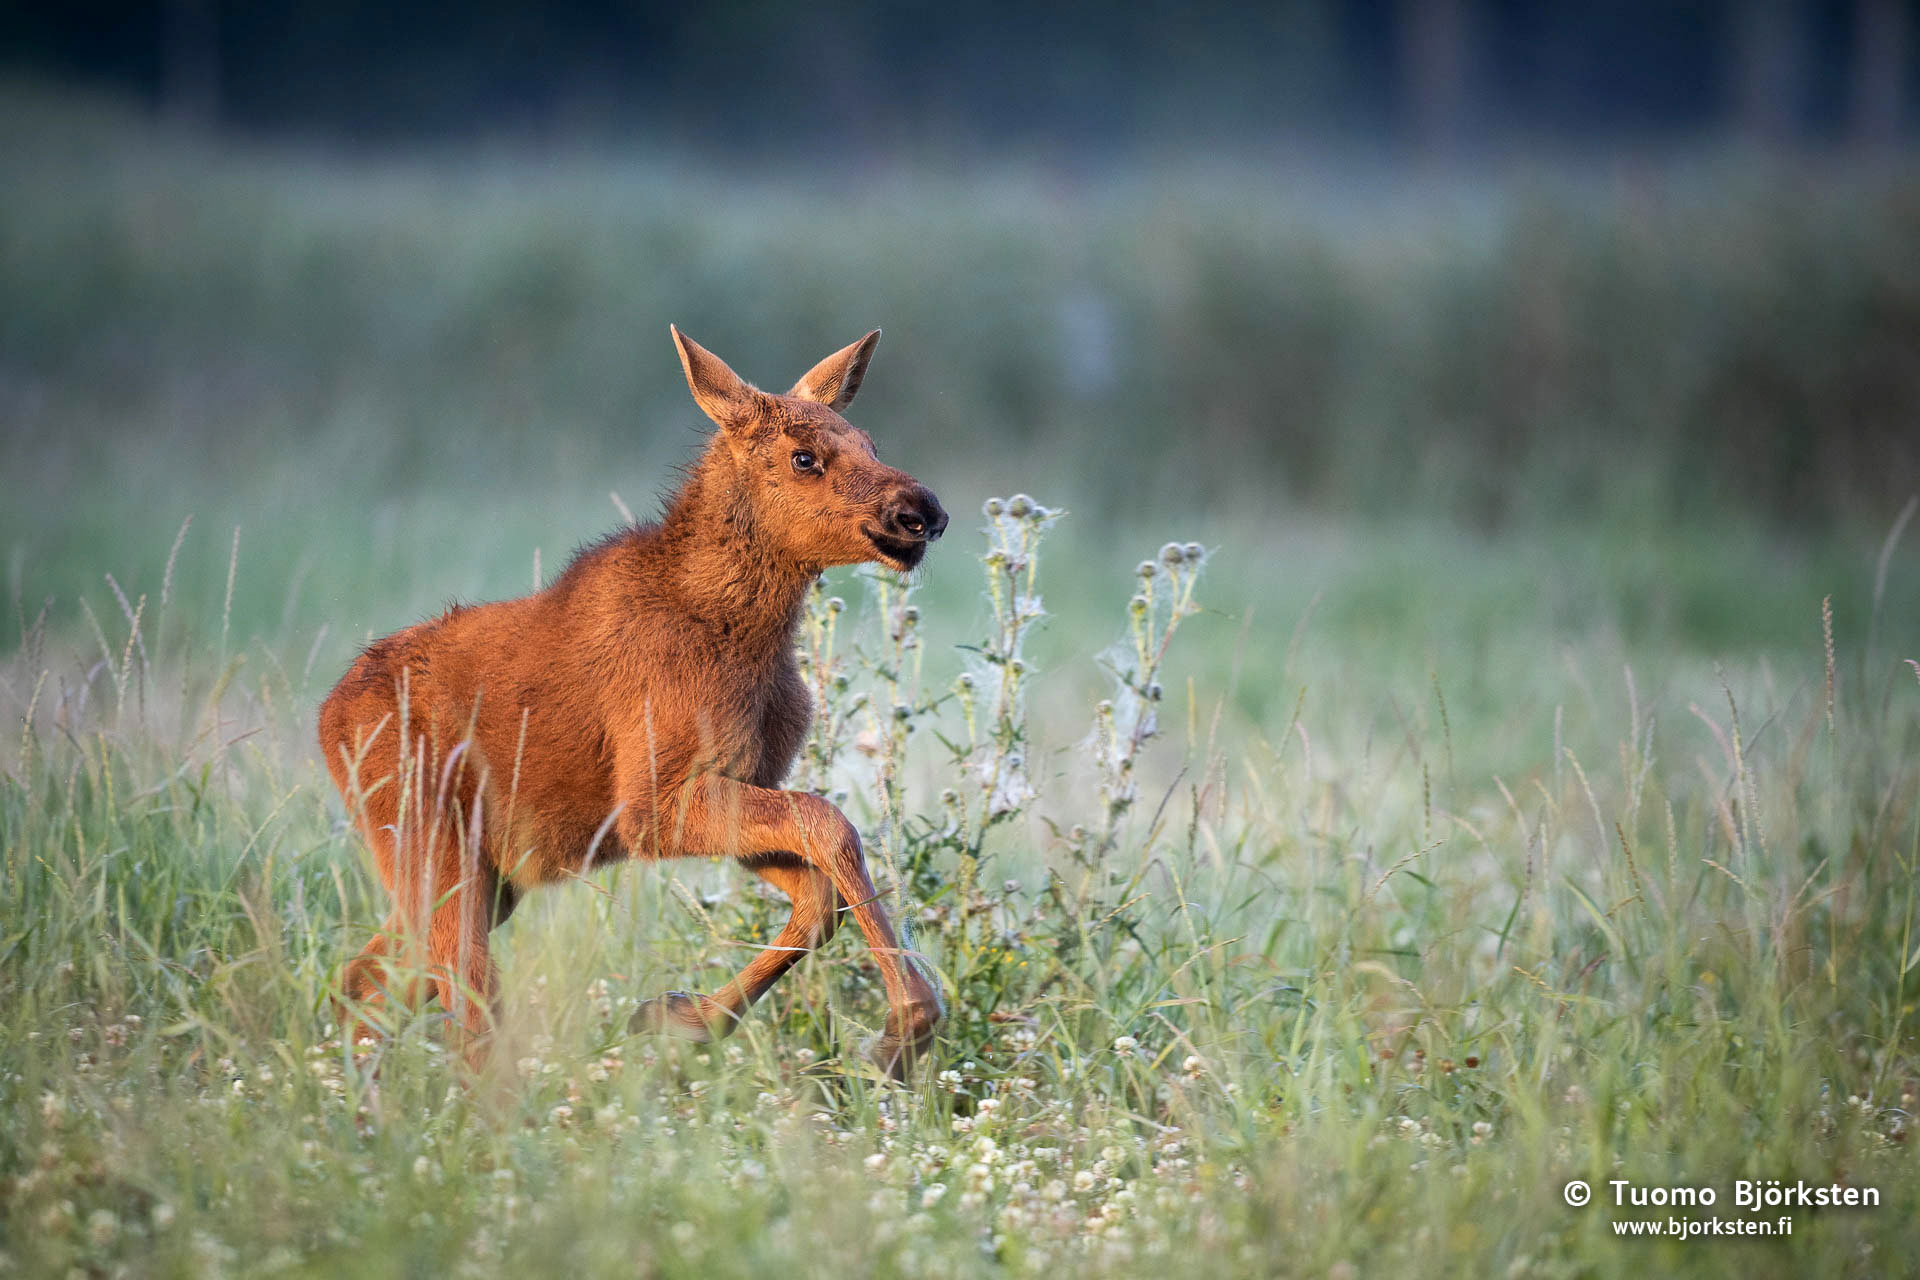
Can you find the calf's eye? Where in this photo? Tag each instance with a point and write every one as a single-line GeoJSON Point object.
{"type": "Point", "coordinates": [804, 461]}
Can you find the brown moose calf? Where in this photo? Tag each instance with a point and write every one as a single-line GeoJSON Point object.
{"type": "Point", "coordinates": [647, 704]}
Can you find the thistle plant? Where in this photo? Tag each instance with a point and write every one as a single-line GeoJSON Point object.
{"type": "Point", "coordinates": [1124, 722]}
{"type": "Point", "coordinates": [1000, 945]}
{"type": "Point", "coordinates": [893, 714]}
{"type": "Point", "coordinates": [996, 755]}
{"type": "Point", "coordinates": [824, 669]}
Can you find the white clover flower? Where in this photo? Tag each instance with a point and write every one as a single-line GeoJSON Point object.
{"type": "Point", "coordinates": [1126, 1045]}
{"type": "Point", "coordinates": [103, 1227]}
{"type": "Point", "coordinates": [876, 1162]}
{"type": "Point", "coordinates": [1084, 1180]}
{"type": "Point", "coordinates": [931, 1196]}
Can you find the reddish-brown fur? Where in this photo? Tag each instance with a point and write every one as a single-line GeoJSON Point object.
{"type": "Point", "coordinates": [647, 704]}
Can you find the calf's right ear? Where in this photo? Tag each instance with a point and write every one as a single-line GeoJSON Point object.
{"type": "Point", "coordinates": [720, 392]}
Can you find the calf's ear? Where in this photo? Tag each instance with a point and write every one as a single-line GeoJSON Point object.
{"type": "Point", "coordinates": [834, 380]}
{"type": "Point", "coordinates": [720, 392]}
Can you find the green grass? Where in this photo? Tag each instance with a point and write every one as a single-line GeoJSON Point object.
{"type": "Point", "coordinates": [1508, 818]}
{"type": "Point", "coordinates": [1328, 996]}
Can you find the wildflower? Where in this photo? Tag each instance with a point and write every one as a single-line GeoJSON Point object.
{"type": "Point", "coordinates": [1126, 1046]}
{"type": "Point", "coordinates": [931, 1196]}
{"type": "Point", "coordinates": [103, 1227]}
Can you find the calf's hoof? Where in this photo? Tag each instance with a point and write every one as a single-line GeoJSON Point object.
{"type": "Point", "coordinates": [683, 1016]}
{"type": "Point", "coordinates": [907, 1036]}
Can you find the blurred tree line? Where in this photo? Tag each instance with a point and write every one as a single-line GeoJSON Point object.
{"type": "Point", "coordinates": [1442, 75]}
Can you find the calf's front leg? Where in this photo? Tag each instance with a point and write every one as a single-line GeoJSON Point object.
{"type": "Point", "coordinates": [720, 815]}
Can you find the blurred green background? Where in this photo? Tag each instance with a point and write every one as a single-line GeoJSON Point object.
{"type": "Point", "coordinates": [1435, 370]}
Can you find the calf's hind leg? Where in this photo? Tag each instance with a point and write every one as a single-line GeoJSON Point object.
{"type": "Point", "coordinates": [437, 934]}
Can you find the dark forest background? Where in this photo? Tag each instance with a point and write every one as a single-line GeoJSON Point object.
{"type": "Point", "coordinates": [1063, 73]}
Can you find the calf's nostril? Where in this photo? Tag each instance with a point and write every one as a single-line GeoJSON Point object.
{"type": "Point", "coordinates": [912, 523]}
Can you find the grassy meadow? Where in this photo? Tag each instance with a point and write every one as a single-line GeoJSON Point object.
{"type": "Point", "coordinates": [1448, 731]}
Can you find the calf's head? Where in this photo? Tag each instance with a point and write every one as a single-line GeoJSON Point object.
{"type": "Point", "coordinates": [809, 479]}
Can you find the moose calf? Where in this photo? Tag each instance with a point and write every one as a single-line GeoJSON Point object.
{"type": "Point", "coordinates": [647, 704]}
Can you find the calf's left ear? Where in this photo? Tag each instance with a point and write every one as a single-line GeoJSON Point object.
{"type": "Point", "coordinates": [834, 380]}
